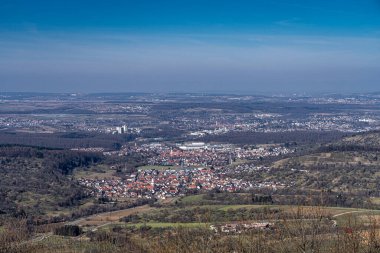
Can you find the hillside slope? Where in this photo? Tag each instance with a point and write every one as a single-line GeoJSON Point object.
{"type": "Point", "coordinates": [35, 181]}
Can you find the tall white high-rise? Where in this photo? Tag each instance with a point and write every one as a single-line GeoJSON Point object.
{"type": "Point", "coordinates": [119, 130]}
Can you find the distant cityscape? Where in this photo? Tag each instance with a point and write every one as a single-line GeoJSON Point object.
{"type": "Point", "coordinates": [139, 114]}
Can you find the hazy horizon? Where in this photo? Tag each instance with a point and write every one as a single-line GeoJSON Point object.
{"type": "Point", "coordinates": [168, 46]}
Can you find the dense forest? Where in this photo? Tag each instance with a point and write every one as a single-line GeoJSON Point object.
{"type": "Point", "coordinates": [299, 137]}
{"type": "Point", "coordinates": [64, 140]}
{"type": "Point", "coordinates": [34, 180]}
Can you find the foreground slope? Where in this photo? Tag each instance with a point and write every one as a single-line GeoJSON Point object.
{"type": "Point", "coordinates": [35, 181]}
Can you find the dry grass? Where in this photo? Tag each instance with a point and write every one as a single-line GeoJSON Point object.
{"type": "Point", "coordinates": [104, 218]}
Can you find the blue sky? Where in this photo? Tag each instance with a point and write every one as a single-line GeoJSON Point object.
{"type": "Point", "coordinates": [190, 46]}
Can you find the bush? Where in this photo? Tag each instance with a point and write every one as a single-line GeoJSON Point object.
{"type": "Point", "coordinates": [68, 230]}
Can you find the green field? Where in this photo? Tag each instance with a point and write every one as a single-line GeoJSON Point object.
{"type": "Point", "coordinates": [192, 199]}
{"type": "Point", "coordinates": [357, 217]}
{"type": "Point", "coordinates": [169, 224]}
{"type": "Point", "coordinates": [376, 201]}
{"type": "Point", "coordinates": [234, 207]}
{"type": "Point", "coordinates": [156, 167]}
{"type": "Point", "coordinates": [96, 172]}
{"type": "Point", "coordinates": [204, 199]}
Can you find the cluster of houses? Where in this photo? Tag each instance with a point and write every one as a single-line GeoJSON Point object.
{"type": "Point", "coordinates": [190, 167]}
{"type": "Point", "coordinates": [200, 154]}
{"type": "Point", "coordinates": [163, 184]}
{"type": "Point", "coordinates": [202, 157]}
{"type": "Point", "coordinates": [241, 227]}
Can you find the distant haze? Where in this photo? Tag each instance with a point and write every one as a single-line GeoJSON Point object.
{"type": "Point", "coordinates": [190, 46]}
